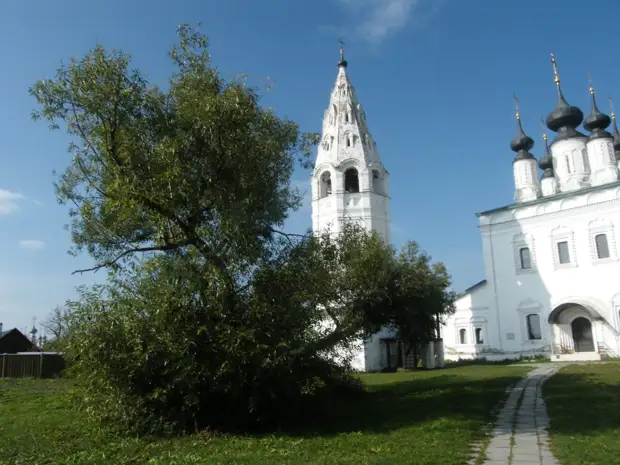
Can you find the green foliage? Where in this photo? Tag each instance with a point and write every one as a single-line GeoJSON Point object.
{"type": "Point", "coordinates": [424, 296]}
{"type": "Point", "coordinates": [210, 316]}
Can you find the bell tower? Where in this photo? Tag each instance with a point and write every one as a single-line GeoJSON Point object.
{"type": "Point", "coordinates": [349, 182]}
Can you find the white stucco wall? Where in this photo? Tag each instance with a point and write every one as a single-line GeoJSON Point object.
{"type": "Point", "coordinates": [511, 293]}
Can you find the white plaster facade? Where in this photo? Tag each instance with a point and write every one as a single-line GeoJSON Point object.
{"type": "Point", "coordinates": [552, 272]}
{"type": "Point", "coordinates": [350, 184]}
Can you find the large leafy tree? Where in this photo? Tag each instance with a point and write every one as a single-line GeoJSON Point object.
{"type": "Point", "coordinates": [211, 314]}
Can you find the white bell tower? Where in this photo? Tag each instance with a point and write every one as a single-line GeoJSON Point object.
{"type": "Point", "coordinates": [349, 182]}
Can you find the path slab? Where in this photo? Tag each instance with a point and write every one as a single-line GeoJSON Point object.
{"type": "Point", "coordinates": [520, 434]}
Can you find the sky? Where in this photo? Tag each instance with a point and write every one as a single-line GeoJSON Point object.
{"type": "Point", "coordinates": [436, 79]}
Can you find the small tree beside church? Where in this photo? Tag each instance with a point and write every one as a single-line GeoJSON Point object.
{"type": "Point", "coordinates": [211, 315]}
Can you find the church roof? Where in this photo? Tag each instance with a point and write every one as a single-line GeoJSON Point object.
{"type": "Point", "coordinates": [522, 144]}
{"type": "Point", "coordinates": [345, 135]}
{"type": "Point", "coordinates": [597, 121]}
{"type": "Point", "coordinates": [547, 198]}
{"type": "Point", "coordinates": [565, 118]}
{"type": "Point", "coordinates": [471, 289]}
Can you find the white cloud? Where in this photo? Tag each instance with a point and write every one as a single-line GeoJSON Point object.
{"type": "Point", "coordinates": [31, 244]}
{"type": "Point", "coordinates": [9, 201]}
{"type": "Point", "coordinates": [378, 19]}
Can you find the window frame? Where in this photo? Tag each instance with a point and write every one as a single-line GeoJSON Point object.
{"type": "Point", "coordinates": [559, 250]}
{"type": "Point", "coordinates": [598, 249]}
{"type": "Point", "coordinates": [521, 259]}
{"type": "Point", "coordinates": [563, 234]}
{"type": "Point", "coordinates": [461, 335]}
{"type": "Point", "coordinates": [479, 335]}
{"type": "Point", "coordinates": [532, 307]}
{"type": "Point", "coordinates": [528, 329]}
{"type": "Point", "coordinates": [521, 241]}
{"type": "Point", "coordinates": [595, 228]}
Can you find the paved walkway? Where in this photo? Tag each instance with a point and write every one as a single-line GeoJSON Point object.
{"type": "Point", "coordinates": [520, 434]}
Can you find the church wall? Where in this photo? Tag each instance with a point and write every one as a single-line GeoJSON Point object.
{"type": "Point", "coordinates": [511, 293]}
{"type": "Point", "coordinates": [473, 316]}
{"type": "Point", "coordinates": [576, 220]}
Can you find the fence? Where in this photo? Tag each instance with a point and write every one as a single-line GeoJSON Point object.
{"type": "Point", "coordinates": [31, 365]}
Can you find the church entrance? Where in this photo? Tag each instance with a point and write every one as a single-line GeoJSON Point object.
{"type": "Point", "coordinates": [391, 352]}
{"type": "Point", "coordinates": [582, 335]}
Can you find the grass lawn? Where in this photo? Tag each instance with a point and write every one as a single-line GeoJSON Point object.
{"type": "Point", "coordinates": [408, 418]}
{"type": "Point", "coordinates": [583, 402]}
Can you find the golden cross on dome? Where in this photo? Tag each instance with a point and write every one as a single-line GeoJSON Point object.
{"type": "Point", "coordinates": [591, 86]}
{"type": "Point", "coordinates": [514, 97]}
{"type": "Point", "coordinates": [544, 128]}
{"type": "Point", "coordinates": [555, 70]}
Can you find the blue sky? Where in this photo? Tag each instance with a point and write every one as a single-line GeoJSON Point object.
{"type": "Point", "coordinates": [436, 79]}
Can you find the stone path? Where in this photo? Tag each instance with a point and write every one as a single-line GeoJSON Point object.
{"type": "Point", "coordinates": [520, 434]}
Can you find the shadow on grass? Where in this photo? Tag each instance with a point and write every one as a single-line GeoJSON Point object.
{"type": "Point", "coordinates": [584, 400]}
{"type": "Point", "coordinates": [388, 407]}
{"type": "Point", "coordinates": [583, 403]}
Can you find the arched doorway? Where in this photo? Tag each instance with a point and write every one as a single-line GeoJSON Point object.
{"type": "Point", "coordinates": [582, 334]}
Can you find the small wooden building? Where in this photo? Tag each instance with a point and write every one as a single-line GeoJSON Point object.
{"type": "Point", "coordinates": [13, 341]}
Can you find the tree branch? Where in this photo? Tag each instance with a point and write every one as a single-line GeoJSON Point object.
{"type": "Point", "coordinates": [108, 263]}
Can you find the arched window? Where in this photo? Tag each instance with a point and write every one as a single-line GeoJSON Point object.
{"type": "Point", "coordinates": [346, 117]}
{"type": "Point", "coordinates": [602, 246]}
{"type": "Point", "coordinates": [462, 336]}
{"type": "Point", "coordinates": [479, 339]}
{"type": "Point", "coordinates": [351, 181]}
{"type": "Point", "coordinates": [533, 327]}
{"type": "Point", "coordinates": [348, 141]}
{"type": "Point", "coordinates": [525, 258]}
{"type": "Point", "coordinates": [326, 184]}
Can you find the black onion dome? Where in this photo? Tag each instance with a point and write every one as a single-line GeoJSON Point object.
{"type": "Point", "coordinates": [565, 118]}
{"type": "Point", "coordinates": [596, 122]}
{"type": "Point", "coordinates": [522, 144]}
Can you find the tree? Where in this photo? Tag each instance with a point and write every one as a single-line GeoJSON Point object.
{"type": "Point", "coordinates": [211, 314]}
{"type": "Point", "coordinates": [57, 325]}
{"type": "Point", "coordinates": [57, 322]}
{"type": "Point", "coordinates": [424, 298]}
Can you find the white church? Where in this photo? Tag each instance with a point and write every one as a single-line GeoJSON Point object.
{"type": "Point", "coordinates": [552, 272]}
{"type": "Point", "coordinates": [552, 284]}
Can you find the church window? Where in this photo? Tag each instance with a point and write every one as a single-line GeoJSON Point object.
{"type": "Point", "coordinates": [479, 339]}
{"type": "Point", "coordinates": [326, 185]}
{"type": "Point", "coordinates": [563, 252]}
{"type": "Point", "coordinates": [348, 141]}
{"type": "Point", "coordinates": [533, 327]}
{"type": "Point", "coordinates": [462, 336]}
{"type": "Point", "coordinates": [602, 246]}
{"type": "Point", "coordinates": [586, 160]}
{"type": "Point", "coordinates": [346, 117]}
{"type": "Point", "coordinates": [525, 258]}
{"type": "Point", "coordinates": [351, 181]}
{"type": "Point", "coordinates": [569, 166]}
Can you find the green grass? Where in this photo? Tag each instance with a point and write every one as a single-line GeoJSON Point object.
{"type": "Point", "coordinates": [583, 403]}
{"type": "Point", "coordinates": [411, 417]}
